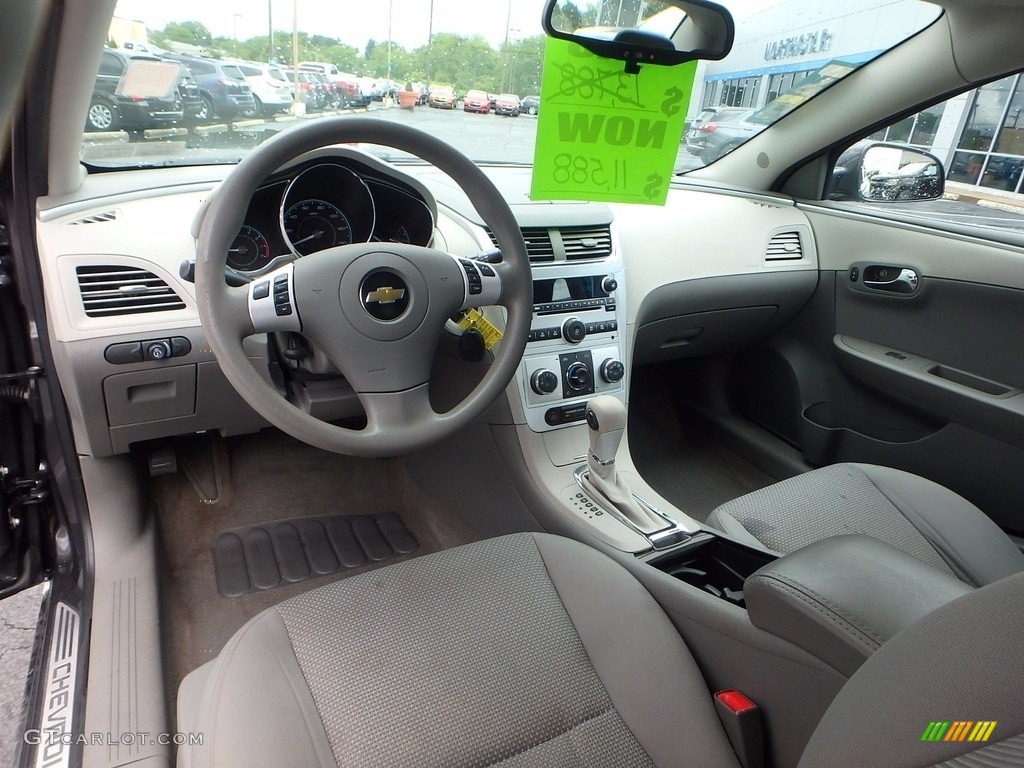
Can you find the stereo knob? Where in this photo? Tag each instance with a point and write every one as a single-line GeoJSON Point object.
{"type": "Point", "coordinates": [543, 381]}
{"type": "Point", "coordinates": [578, 377]}
{"type": "Point", "coordinates": [609, 284]}
{"type": "Point", "coordinates": [612, 370]}
{"type": "Point", "coordinates": [574, 330]}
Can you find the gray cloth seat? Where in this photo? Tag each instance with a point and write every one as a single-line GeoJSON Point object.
{"type": "Point", "coordinates": [532, 650]}
{"type": "Point", "coordinates": [501, 652]}
{"type": "Point", "coordinates": [924, 519]}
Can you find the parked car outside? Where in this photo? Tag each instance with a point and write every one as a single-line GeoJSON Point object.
{"type": "Point", "coordinates": [348, 84]}
{"type": "Point", "coordinates": [311, 92]}
{"type": "Point", "coordinates": [717, 132]}
{"type": "Point", "coordinates": [476, 101]}
{"type": "Point", "coordinates": [442, 97]}
{"type": "Point", "coordinates": [271, 90]}
{"type": "Point", "coordinates": [530, 105]}
{"type": "Point", "coordinates": [109, 109]}
{"type": "Point", "coordinates": [225, 92]}
{"type": "Point", "coordinates": [332, 93]}
{"type": "Point", "coordinates": [507, 104]}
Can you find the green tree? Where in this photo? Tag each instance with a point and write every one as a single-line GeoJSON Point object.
{"type": "Point", "coordinates": [464, 62]}
{"type": "Point", "coordinates": [192, 32]}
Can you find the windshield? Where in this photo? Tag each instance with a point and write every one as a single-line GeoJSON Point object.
{"type": "Point", "coordinates": [251, 69]}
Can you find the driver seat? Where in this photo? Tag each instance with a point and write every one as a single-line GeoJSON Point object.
{"type": "Point", "coordinates": [535, 650]}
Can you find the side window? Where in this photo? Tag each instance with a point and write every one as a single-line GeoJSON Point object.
{"type": "Point", "coordinates": [111, 65]}
{"type": "Point", "coordinates": [978, 136]}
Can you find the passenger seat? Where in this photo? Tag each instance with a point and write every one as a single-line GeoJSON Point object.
{"type": "Point", "coordinates": [924, 519]}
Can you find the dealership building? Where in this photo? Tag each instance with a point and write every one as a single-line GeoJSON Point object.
{"type": "Point", "coordinates": [979, 135]}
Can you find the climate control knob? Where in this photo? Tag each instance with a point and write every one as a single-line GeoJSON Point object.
{"type": "Point", "coordinates": [612, 370]}
{"type": "Point", "coordinates": [574, 330]}
{"type": "Point", "coordinates": [578, 376]}
{"type": "Point", "coordinates": [543, 381]}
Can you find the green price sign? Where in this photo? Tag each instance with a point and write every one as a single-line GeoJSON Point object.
{"type": "Point", "coordinates": [603, 134]}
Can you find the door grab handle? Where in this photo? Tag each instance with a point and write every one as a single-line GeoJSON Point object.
{"type": "Point", "coordinates": [903, 281]}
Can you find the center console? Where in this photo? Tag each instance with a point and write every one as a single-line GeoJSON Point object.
{"type": "Point", "coordinates": [576, 346]}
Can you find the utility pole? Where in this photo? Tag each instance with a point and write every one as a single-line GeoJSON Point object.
{"type": "Point", "coordinates": [391, 6]}
{"type": "Point", "coordinates": [270, 32]}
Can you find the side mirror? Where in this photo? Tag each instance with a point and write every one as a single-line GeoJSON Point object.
{"type": "Point", "coordinates": [638, 32]}
{"type": "Point", "coordinates": [879, 173]}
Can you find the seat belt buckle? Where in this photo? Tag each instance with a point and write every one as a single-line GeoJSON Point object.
{"type": "Point", "coordinates": [741, 720]}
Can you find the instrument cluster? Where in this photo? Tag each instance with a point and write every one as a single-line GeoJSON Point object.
{"type": "Point", "coordinates": [324, 204]}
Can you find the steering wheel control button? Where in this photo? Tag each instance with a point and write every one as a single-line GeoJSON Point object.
{"type": "Point", "coordinates": [543, 381]}
{"type": "Point", "coordinates": [612, 370]}
{"type": "Point", "coordinates": [483, 286]}
{"type": "Point", "coordinates": [385, 295]}
{"type": "Point", "coordinates": [473, 278]}
{"type": "Point", "coordinates": [574, 330]}
{"type": "Point", "coordinates": [272, 302]}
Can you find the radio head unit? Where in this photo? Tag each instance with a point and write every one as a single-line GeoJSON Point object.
{"type": "Point", "coordinates": [572, 294]}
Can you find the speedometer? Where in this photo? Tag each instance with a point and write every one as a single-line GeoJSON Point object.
{"type": "Point", "coordinates": [312, 225]}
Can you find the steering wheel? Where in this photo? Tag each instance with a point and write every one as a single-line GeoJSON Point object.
{"type": "Point", "coordinates": [377, 310]}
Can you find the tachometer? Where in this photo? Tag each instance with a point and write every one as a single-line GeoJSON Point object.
{"type": "Point", "coordinates": [312, 225]}
{"type": "Point", "coordinates": [249, 250]}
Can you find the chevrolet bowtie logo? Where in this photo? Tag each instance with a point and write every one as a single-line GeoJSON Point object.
{"type": "Point", "coordinates": [387, 295]}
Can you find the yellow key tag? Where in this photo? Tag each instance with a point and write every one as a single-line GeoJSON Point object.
{"type": "Point", "coordinates": [474, 318]}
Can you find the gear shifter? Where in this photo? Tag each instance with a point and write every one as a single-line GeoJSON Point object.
{"type": "Point", "coordinates": [606, 418]}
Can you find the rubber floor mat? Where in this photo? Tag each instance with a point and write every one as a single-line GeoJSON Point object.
{"type": "Point", "coordinates": [269, 555]}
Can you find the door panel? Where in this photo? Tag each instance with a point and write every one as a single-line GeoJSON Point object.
{"type": "Point", "coordinates": [930, 381]}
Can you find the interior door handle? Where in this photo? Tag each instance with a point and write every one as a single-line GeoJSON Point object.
{"type": "Point", "coordinates": [891, 279]}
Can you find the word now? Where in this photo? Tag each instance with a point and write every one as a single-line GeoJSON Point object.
{"type": "Point", "coordinates": [617, 130]}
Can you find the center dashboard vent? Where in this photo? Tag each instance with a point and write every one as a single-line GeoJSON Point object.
{"type": "Point", "coordinates": [566, 244]}
{"type": "Point", "coordinates": [784, 247]}
{"type": "Point", "coordinates": [119, 290]}
{"type": "Point", "coordinates": [538, 244]}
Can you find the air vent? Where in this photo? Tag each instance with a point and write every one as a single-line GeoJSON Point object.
{"type": "Point", "coordinates": [587, 243]}
{"type": "Point", "coordinates": [96, 218]}
{"type": "Point", "coordinates": [784, 246]}
{"type": "Point", "coordinates": [538, 244]}
{"type": "Point", "coordinates": [118, 290]}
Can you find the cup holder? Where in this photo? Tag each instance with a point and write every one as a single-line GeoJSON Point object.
{"type": "Point", "coordinates": [714, 565]}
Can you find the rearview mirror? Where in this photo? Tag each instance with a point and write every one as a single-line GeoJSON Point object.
{"type": "Point", "coordinates": [878, 172]}
{"type": "Point", "coordinates": [641, 32]}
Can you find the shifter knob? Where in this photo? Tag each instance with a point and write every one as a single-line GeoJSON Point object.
{"type": "Point", "coordinates": [606, 417]}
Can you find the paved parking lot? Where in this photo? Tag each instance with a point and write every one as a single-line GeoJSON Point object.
{"type": "Point", "coordinates": [18, 617]}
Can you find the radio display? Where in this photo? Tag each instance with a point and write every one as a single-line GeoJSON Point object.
{"type": "Point", "coordinates": [568, 289]}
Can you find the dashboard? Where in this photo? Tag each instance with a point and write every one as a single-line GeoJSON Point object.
{"type": "Point", "coordinates": [615, 285]}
